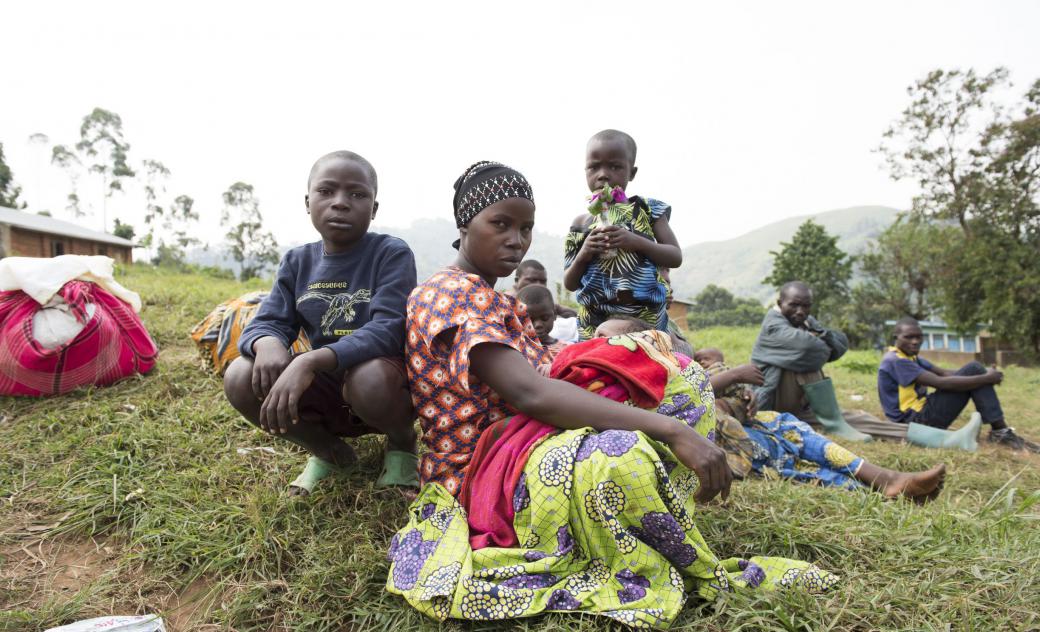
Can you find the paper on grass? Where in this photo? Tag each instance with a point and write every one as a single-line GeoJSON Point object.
{"type": "Point", "coordinates": [143, 623]}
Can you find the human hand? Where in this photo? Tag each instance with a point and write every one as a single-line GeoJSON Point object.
{"type": "Point", "coordinates": [544, 369]}
{"type": "Point", "coordinates": [621, 238]}
{"type": "Point", "coordinates": [752, 403]}
{"type": "Point", "coordinates": [813, 326]}
{"type": "Point", "coordinates": [271, 358]}
{"type": "Point", "coordinates": [706, 460]}
{"type": "Point", "coordinates": [593, 246]}
{"type": "Point", "coordinates": [281, 406]}
{"type": "Point", "coordinates": [749, 374]}
{"type": "Point", "coordinates": [994, 376]}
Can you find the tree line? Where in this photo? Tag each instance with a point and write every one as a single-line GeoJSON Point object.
{"type": "Point", "coordinates": [968, 250]}
{"type": "Point", "coordinates": [169, 220]}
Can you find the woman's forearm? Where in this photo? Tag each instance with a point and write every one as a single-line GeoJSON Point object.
{"type": "Point", "coordinates": [559, 403]}
{"type": "Point", "coordinates": [567, 406]}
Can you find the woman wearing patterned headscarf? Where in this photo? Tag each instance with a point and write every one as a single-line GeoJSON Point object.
{"type": "Point", "coordinates": [541, 494]}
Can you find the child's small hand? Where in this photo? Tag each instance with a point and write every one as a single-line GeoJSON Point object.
{"type": "Point", "coordinates": [544, 369]}
{"type": "Point", "coordinates": [271, 358]}
{"type": "Point", "coordinates": [281, 406]}
{"type": "Point", "coordinates": [621, 238]}
{"type": "Point", "coordinates": [593, 246]}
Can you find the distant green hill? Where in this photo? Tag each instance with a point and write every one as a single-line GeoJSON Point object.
{"type": "Point", "coordinates": [738, 264]}
{"type": "Point", "coordinates": [431, 239]}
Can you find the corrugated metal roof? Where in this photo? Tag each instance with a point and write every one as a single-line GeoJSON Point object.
{"type": "Point", "coordinates": [50, 225]}
{"type": "Point", "coordinates": [935, 324]}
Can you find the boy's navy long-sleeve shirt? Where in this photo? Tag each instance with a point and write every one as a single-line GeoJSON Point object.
{"type": "Point", "coordinates": [353, 303]}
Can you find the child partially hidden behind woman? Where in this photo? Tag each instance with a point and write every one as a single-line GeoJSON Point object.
{"type": "Point", "coordinates": [541, 309]}
{"type": "Point", "coordinates": [613, 253]}
{"type": "Point", "coordinates": [771, 444]}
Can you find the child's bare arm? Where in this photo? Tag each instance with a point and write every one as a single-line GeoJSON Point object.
{"type": "Point", "coordinates": [667, 252]}
{"type": "Point", "coordinates": [591, 248]}
{"type": "Point", "coordinates": [743, 374]}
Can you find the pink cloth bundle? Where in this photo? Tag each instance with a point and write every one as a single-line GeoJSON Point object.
{"type": "Point", "coordinates": [112, 345]}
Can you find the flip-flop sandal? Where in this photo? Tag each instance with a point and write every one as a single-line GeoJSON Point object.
{"type": "Point", "coordinates": [315, 470]}
{"type": "Point", "coordinates": [400, 469]}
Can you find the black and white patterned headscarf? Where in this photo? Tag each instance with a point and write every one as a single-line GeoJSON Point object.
{"type": "Point", "coordinates": [483, 184]}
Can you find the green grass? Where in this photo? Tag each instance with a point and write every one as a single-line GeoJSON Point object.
{"type": "Point", "coordinates": [212, 524]}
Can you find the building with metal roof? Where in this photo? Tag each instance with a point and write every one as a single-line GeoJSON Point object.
{"type": "Point", "coordinates": [25, 234]}
{"type": "Point", "coordinates": [945, 345]}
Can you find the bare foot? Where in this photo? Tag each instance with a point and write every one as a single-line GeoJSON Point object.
{"type": "Point", "coordinates": [920, 487]}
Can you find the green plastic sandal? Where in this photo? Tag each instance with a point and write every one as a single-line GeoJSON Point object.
{"type": "Point", "coordinates": [315, 471]}
{"type": "Point", "coordinates": [400, 469]}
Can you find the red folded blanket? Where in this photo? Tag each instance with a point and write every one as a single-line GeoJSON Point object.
{"type": "Point", "coordinates": [621, 358]}
{"type": "Point", "coordinates": [618, 371]}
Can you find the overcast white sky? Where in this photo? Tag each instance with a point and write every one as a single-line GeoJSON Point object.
{"type": "Point", "coordinates": [745, 113]}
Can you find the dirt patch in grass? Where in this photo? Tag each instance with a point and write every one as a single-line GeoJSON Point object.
{"type": "Point", "coordinates": [188, 610]}
{"type": "Point", "coordinates": [38, 570]}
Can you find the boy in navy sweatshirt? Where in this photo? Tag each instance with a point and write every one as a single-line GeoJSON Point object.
{"type": "Point", "coordinates": [348, 293]}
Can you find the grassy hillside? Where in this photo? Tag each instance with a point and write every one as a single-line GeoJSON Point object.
{"type": "Point", "coordinates": [431, 241]}
{"type": "Point", "coordinates": [151, 496]}
{"type": "Point", "coordinates": [740, 264]}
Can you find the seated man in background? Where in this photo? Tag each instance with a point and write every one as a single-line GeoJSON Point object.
{"type": "Point", "coordinates": [791, 349]}
{"type": "Point", "coordinates": [904, 378]}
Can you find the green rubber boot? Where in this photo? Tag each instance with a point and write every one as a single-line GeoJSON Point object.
{"type": "Point", "coordinates": [929, 437]}
{"type": "Point", "coordinates": [824, 402]}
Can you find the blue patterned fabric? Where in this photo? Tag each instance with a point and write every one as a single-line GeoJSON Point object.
{"type": "Point", "coordinates": [605, 277]}
{"type": "Point", "coordinates": [791, 448]}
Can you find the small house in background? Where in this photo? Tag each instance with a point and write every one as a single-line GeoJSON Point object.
{"type": "Point", "coordinates": [945, 346]}
{"type": "Point", "coordinates": [678, 311]}
{"type": "Point", "coordinates": [29, 235]}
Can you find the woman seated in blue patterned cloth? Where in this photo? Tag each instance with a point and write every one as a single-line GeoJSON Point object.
{"type": "Point", "coordinates": [778, 445]}
{"type": "Point", "coordinates": [604, 507]}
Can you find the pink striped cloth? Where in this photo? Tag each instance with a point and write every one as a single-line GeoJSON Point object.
{"type": "Point", "coordinates": [112, 345]}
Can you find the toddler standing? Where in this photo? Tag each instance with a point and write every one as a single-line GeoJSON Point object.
{"type": "Point", "coordinates": [613, 267]}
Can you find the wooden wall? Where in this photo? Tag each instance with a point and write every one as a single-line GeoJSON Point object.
{"type": "Point", "coordinates": [29, 243]}
{"type": "Point", "coordinates": [678, 312]}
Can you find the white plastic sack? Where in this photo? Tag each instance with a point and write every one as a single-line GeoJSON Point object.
{"type": "Point", "coordinates": [565, 329]}
{"type": "Point", "coordinates": [43, 278]}
{"type": "Point", "coordinates": [144, 623]}
{"type": "Point", "coordinates": [56, 325]}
